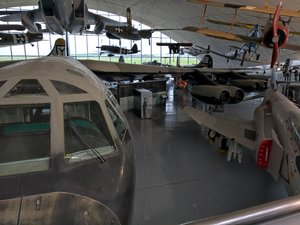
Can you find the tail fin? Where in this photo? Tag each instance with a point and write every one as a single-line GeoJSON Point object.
{"type": "Point", "coordinates": [129, 18]}
{"type": "Point", "coordinates": [206, 61]}
{"type": "Point", "coordinates": [134, 49]}
{"type": "Point", "coordinates": [59, 48]}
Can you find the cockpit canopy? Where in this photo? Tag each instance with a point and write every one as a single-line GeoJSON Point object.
{"type": "Point", "coordinates": [55, 106]}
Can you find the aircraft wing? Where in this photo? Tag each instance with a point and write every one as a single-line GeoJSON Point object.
{"type": "Point", "coordinates": [291, 47]}
{"type": "Point", "coordinates": [6, 27]}
{"type": "Point", "coordinates": [265, 10]}
{"type": "Point", "coordinates": [15, 16]}
{"type": "Point", "coordinates": [235, 37]}
{"type": "Point", "coordinates": [105, 67]}
{"type": "Point", "coordinates": [93, 18]}
{"type": "Point", "coordinates": [247, 59]}
{"type": "Point", "coordinates": [223, 35]}
{"type": "Point", "coordinates": [174, 44]}
{"type": "Point", "coordinates": [7, 39]}
{"type": "Point", "coordinates": [243, 25]}
{"type": "Point", "coordinates": [242, 131]}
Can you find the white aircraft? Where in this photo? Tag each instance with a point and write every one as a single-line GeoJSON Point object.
{"type": "Point", "coordinates": [274, 132]}
{"type": "Point", "coordinates": [66, 148]}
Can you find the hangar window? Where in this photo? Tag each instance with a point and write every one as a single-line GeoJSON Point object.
{"type": "Point", "coordinates": [24, 138]}
{"type": "Point", "coordinates": [119, 124]}
{"type": "Point", "coordinates": [64, 88]}
{"type": "Point", "coordinates": [86, 132]}
{"type": "Point", "coordinates": [27, 87]}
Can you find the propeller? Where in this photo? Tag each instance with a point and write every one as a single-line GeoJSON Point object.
{"type": "Point", "coordinates": [275, 38]}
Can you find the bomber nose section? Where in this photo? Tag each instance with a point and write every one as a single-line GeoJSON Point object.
{"type": "Point", "coordinates": [56, 208]}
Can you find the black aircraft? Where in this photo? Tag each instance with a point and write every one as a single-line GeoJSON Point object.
{"type": "Point", "coordinates": [7, 39]}
{"type": "Point", "coordinates": [128, 31]}
{"type": "Point", "coordinates": [111, 50]}
{"type": "Point", "coordinates": [174, 47]}
{"type": "Point", "coordinates": [17, 38]}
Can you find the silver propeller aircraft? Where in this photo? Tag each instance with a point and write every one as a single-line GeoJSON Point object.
{"type": "Point", "coordinates": [72, 16]}
{"type": "Point", "coordinates": [274, 132]}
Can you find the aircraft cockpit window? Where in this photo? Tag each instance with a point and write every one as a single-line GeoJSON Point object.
{"type": "Point", "coordinates": [2, 82]}
{"type": "Point", "coordinates": [64, 88]}
{"type": "Point", "coordinates": [24, 138]}
{"type": "Point", "coordinates": [86, 132]}
{"type": "Point", "coordinates": [120, 126]}
{"type": "Point", "coordinates": [27, 87]}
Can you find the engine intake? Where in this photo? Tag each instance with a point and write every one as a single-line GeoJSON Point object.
{"type": "Point", "coordinates": [211, 94]}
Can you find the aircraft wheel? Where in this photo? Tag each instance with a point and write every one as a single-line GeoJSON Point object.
{"type": "Point", "coordinates": [223, 147]}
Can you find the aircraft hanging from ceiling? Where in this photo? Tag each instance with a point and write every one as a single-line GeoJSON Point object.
{"type": "Point", "coordinates": [127, 31]}
{"type": "Point", "coordinates": [111, 50]}
{"type": "Point", "coordinates": [264, 40]}
{"type": "Point", "coordinates": [273, 133]}
{"type": "Point", "coordinates": [194, 51]}
{"type": "Point", "coordinates": [246, 52]}
{"type": "Point", "coordinates": [243, 25]}
{"type": "Point", "coordinates": [72, 16]}
{"type": "Point", "coordinates": [174, 48]}
{"type": "Point", "coordinates": [7, 39]}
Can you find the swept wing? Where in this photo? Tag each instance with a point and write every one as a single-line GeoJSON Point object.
{"type": "Point", "coordinates": [242, 131]}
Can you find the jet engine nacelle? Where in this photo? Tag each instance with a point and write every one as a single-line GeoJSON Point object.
{"type": "Point", "coordinates": [249, 84]}
{"type": "Point", "coordinates": [211, 94]}
{"type": "Point", "coordinates": [99, 27]}
{"type": "Point", "coordinates": [145, 34]}
{"type": "Point", "coordinates": [282, 35]}
{"type": "Point", "coordinates": [28, 21]}
{"type": "Point", "coordinates": [236, 94]}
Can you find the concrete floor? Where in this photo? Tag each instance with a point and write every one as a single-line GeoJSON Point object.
{"type": "Point", "coordinates": [181, 177]}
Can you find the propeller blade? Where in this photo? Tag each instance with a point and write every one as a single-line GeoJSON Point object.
{"type": "Point", "coordinates": [275, 54]}
{"type": "Point", "coordinates": [275, 38]}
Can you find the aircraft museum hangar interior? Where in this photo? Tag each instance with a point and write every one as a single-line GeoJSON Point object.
{"type": "Point", "coordinates": [149, 112]}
